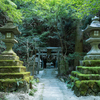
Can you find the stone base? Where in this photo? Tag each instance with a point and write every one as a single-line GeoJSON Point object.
{"type": "Point", "coordinates": [92, 57]}
{"type": "Point", "coordinates": [13, 76]}
{"type": "Point", "coordinates": [9, 57]}
{"type": "Point", "coordinates": [86, 88]}
{"type": "Point", "coordinates": [10, 86]}
{"type": "Point", "coordinates": [86, 78]}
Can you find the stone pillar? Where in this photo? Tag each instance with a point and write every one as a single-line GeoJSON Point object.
{"type": "Point", "coordinates": [58, 62]}
{"type": "Point", "coordinates": [38, 61]}
{"type": "Point", "coordinates": [56, 65]}
{"type": "Point", "coordinates": [42, 63]}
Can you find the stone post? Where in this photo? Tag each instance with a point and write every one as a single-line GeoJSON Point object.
{"type": "Point", "coordinates": [58, 59]}
{"type": "Point", "coordinates": [38, 61]}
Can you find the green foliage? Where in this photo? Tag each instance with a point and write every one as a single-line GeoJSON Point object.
{"type": "Point", "coordinates": [2, 46]}
{"type": "Point", "coordinates": [15, 9]}
{"type": "Point", "coordinates": [69, 83]}
{"type": "Point", "coordinates": [10, 9]}
{"type": "Point", "coordinates": [53, 21]}
{"type": "Point", "coordinates": [37, 80]}
{"type": "Point", "coordinates": [2, 87]}
{"type": "Point", "coordinates": [34, 81]}
{"type": "Point", "coordinates": [63, 66]}
{"type": "Point", "coordinates": [73, 56]}
{"type": "Point", "coordinates": [19, 81]}
{"type": "Point", "coordinates": [35, 89]}
{"type": "Point", "coordinates": [31, 93]}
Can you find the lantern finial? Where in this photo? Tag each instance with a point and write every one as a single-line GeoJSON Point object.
{"type": "Point", "coordinates": [95, 18]}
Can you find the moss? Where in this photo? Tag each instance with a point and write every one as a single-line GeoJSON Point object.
{"type": "Point", "coordinates": [98, 83]}
{"type": "Point", "coordinates": [77, 84]}
{"type": "Point", "coordinates": [8, 80]}
{"type": "Point", "coordinates": [22, 73]}
{"type": "Point", "coordinates": [73, 79]}
{"type": "Point", "coordinates": [84, 86]}
{"type": "Point", "coordinates": [31, 77]}
{"type": "Point", "coordinates": [89, 70]}
{"type": "Point", "coordinates": [95, 87]}
{"type": "Point", "coordinates": [83, 92]}
{"type": "Point", "coordinates": [12, 69]}
{"type": "Point", "coordinates": [73, 73]}
{"type": "Point", "coordinates": [88, 76]}
{"type": "Point", "coordinates": [10, 63]}
{"type": "Point", "coordinates": [91, 62]}
{"type": "Point", "coordinates": [80, 66]}
{"type": "Point", "coordinates": [9, 71]}
{"type": "Point", "coordinates": [89, 83]}
{"type": "Point", "coordinates": [10, 60]}
{"type": "Point", "coordinates": [14, 75]}
{"type": "Point", "coordinates": [10, 57]}
{"type": "Point", "coordinates": [11, 85]}
{"type": "Point", "coordinates": [76, 91]}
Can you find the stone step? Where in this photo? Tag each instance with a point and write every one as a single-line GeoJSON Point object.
{"type": "Point", "coordinates": [8, 80]}
{"type": "Point", "coordinates": [91, 62]}
{"type": "Point", "coordinates": [12, 69]}
{"type": "Point", "coordinates": [87, 87]}
{"type": "Point", "coordinates": [11, 62]}
{"type": "Point", "coordinates": [85, 76]}
{"type": "Point", "coordinates": [14, 75]}
{"type": "Point", "coordinates": [88, 70]}
{"type": "Point", "coordinates": [88, 76]}
{"type": "Point", "coordinates": [10, 57]}
{"type": "Point", "coordinates": [73, 79]}
{"type": "Point", "coordinates": [74, 73]}
{"type": "Point", "coordinates": [8, 85]}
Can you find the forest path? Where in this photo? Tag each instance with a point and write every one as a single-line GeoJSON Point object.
{"type": "Point", "coordinates": [51, 88]}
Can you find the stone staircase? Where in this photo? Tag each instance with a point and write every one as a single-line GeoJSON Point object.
{"type": "Point", "coordinates": [86, 78]}
{"type": "Point", "coordinates": [12, 72]}
{"type": "Point", "coordinates": [13, 75]}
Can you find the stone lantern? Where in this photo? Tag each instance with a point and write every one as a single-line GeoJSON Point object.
{"type": "Point", "coordinates": [94, 31]}
{"type": "Point", "coordinates": [11, 68]}
{"type": "Point", "coordinates": [86, 78]}
{"type": "Point", "coordinates": [9, 30]}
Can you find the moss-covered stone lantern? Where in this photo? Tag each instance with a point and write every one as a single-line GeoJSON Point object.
{"type": "Point", "coordinates": [94, 30]}
{"type": "Point", "coordinates": [12, 70]}
{"type": "Point", "coordinates": [9, 30]}
{"type": "Point", "coordinates": [86, 78]}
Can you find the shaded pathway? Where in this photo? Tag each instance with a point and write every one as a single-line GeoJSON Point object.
{"type": "Point", "coordinates": [51, 88]}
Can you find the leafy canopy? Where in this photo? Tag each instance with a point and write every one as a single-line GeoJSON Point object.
{"type": "Point", "coordinates": [44, 7]}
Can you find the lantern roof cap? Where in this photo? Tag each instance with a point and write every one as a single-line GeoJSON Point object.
{"type": "Point", "coordinates": [95, 25]}
{"type": "Point", "coordinates": [10, 27]}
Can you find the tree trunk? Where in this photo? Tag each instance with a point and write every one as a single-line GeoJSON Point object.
{"type": "Point", "coordinates": [27, 57]}
{"type": "Point", "coordinates": [78, 43]}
